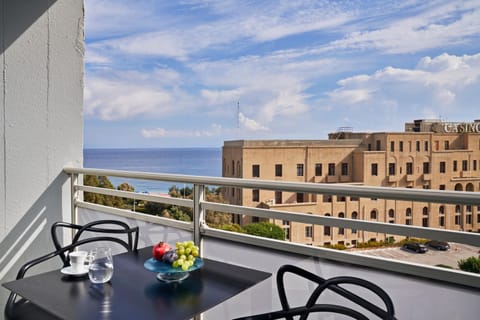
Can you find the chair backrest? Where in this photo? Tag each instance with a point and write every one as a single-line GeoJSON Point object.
{"type": "Point", "coordinates": [337, 285]}
{"type": "Point", "coordinates": [104, 230]}
{"type": "Point", "coordinates": [10, 305]}
{"type": "Point", "coordinates": [100, 227]}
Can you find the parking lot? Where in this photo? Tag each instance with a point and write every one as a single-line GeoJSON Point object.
{"type": "Point", "coordinates": [433, 257]}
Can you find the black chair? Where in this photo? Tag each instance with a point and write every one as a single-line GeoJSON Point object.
{"type": "Point", "coordinates": [336, 285]}
{"type": "Point", "coordinates": [21, 308]}
{"type": "Point", "coordinates": [98, 226]}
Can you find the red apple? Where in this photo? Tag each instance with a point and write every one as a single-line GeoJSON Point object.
{"type": "Point", "coordinates": [159, 250]}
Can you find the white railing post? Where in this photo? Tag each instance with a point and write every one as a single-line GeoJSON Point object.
{"type": "Point", "coordinates": [73, 197]}
{"type": "Point", "coordinates": [198, 214]}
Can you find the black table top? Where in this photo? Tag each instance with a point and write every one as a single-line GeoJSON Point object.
{"type": "Point", "coordinates": [134, 292]}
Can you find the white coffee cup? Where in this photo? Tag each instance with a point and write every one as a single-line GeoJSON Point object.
{"type": "Point", "coordinates": [77, 260]}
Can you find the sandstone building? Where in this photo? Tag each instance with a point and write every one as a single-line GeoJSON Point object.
{"type": "Point", "coordinates": [430, 154]}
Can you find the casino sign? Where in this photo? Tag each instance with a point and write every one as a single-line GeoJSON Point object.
{"type": "Point", "coordinates": [456, 127]}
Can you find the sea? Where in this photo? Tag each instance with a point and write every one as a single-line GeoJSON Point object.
{"type": "Point", "coordinates": [189, 161]}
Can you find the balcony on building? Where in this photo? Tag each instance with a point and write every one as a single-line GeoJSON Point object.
{"type": "Point", "coordinates": [427, 177]}
{"type": "Point", "coordinates": [410, 178]}
{"type": "Point", "coordinates": [392, 178]}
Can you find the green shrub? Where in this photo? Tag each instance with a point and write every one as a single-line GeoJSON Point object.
{"type": "Point", "coordinates": [336, 246]}
{"type": "Point", "coordinates": [265, 229]}
{"type": "Point", "coordinates": [471, 264]}
{"type": "Point", "coordinates": [230, 227]}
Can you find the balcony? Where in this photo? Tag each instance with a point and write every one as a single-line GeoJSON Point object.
{"type": "Point", "coordinates": [392, 178]}
{"type": "Point", "coordinates": [427, 177]}
{"type": "Point", "coordinates": [410, 178]}
{"type": "Point", "coordinates": [406, 282]}
{"type": "Point", "coordinates": [332, 179]}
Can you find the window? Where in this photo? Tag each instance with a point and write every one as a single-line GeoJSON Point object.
{"type": "Point", "coordinates": [300, 170]}
{"type": "Point", "coordinates": [379, 145]}
{"type": "Point", "coordinates": [468, 219]}
{"type": "Point", "coordinates": [426, 167]}
{"type": "Point", "coordinates": [475, 165]}
{"type": "Point", "coordinates": [392, 146]}
{"type": "Point", "coordinates": [373, 214]}
{"type": "Point", "coordinates": [391, 169]}
{"type": "Point", "coordinates": [318, 169]}
{"type": "Point", "coordinates": [256, 170]}
{"type": "Point", "coordinates": [408, 212]}
{"type": "Point", "coordinates": [278, 170]}
{"type": "Point", "coordinates": [425, 217]}
{"type": "Point", "coordinates": [442, 166]}
{"type": "Point", "coordinates": [441, 210]}
{"type": "Point", "coordinates": [464, 165]}
{"type": "Point", "coordinates": [400, 146]}
{"type": "Point", "coordinates": [391, 213]}
{"type": "Point", "coordinates": [454, 165]}
{"type": "Point", "coordinates": [417, 146]}
{"type": "Point", "coordinates": [442, 187]}
{"type": "Point", "coordinates": [369, 147]}
{"type": "Point", "coordinates": [286, 223]}
{"type": "Point", "coordinates": [425, 146]}
{"type": "Point", "coordinates": [409, 167]}
{"type": "Point", "coordinates": [299, 197]}
{"type": "Point", "coordinates": [441, 221]}
{"type": "Point", "coordinates": [344, 169]}
{"type": "Point", "coordinates": [308, 231]}
{"type": "Point", "coordinates": [447, 145]}
{"type": "Point", "coordinates": [233, 168]}
{"type": "Point", "coordinates": [341, 231]}
{"type": "Point", "coordinates": [331, 169]}
{"type": "Point", "coordinates": [326, 229]}
{"type": "Point", "coordinates": [354, 216]}
{"type": "Point", "coordinates": [457, 219]}
{"type": "Point", "coordinates": [255, 195]}
{"type": "Point", "coordinates": [278, 197]}
{"type": "Point", "coordinates": [374, 169]}
{"type": "Point", "coordinates": [425, 222]}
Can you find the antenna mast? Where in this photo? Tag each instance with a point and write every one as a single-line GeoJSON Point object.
{"type": "Point", "coordinates": [238, 114]}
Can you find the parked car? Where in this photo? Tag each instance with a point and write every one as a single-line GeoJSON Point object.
{"type": "Point", "coordinates": [416, 247]}
{"type": "Point", "coordinates": [439, 245]}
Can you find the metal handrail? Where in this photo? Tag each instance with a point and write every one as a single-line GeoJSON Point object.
{"type": "Point", "coordinates": [200, 230]}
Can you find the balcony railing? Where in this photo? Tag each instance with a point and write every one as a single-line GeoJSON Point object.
{"type": "Point", "coordinates": [237, 248]}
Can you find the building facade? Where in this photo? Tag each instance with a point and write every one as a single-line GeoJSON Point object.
{"type": "Point", "coordinates": [430, 154]}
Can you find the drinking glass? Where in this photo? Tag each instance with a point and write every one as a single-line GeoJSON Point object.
{"type": "Point", "coordinates": [100, 269]}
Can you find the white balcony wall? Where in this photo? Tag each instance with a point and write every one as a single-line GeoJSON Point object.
{"type": "Point", "coordinates": [413, 297]}
{"type": "Point", "coordinates": [41, 125]}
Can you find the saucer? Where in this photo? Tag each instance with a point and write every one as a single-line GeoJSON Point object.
{"type": "Point", "coordinates": [69, 271]}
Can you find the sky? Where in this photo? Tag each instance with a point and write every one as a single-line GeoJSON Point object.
{"type": "Point", "coordinates": [196, 73]}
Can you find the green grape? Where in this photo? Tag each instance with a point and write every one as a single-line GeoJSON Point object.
{"type": "Point", "coordinates": [191, 258]}
{"type": "Point", "coordinates": [180, 251]}
{"type": "Point", "coordinates": [185, 267]}
{"type": "Point", "coordinates": [188, 250]}
{"type": "Point", "coordinates": [195, 252]}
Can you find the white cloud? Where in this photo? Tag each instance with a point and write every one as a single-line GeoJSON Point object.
{"type": "Point", "coordinates": [250, 124]}
{"type": "Point", "coordinates": [215, 130]}
{"type": "Point", "coordinates": [437, 26]}
{"type": "Point", "coordinates": [437, 86]}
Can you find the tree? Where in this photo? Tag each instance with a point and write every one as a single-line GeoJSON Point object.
{"type": "Point", "coordinates": [101, 182]}
{"type": "Point", "coordinates": [265, 229]}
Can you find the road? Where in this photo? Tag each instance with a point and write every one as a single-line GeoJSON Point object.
{"type": "Point", "coordinates": [433, 257]}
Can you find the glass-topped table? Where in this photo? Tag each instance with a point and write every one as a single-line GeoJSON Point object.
{"type": "Point", "coordinates": [134, 292]}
